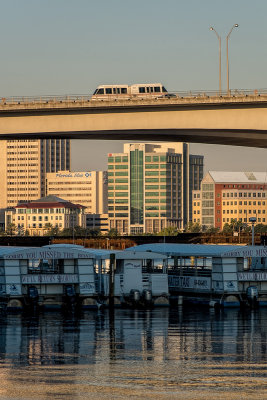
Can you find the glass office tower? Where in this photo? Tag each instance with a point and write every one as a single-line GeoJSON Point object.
{"type": "Point", "coordinates": [150, 187]}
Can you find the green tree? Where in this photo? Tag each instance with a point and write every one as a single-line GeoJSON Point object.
{"type": "Point", "coordinates": [212, 230]}
{"type": "Point", "coordinates": [20, 231]}
{"type": "Point", "coordinates": [227, 228]}
{"type": "Point", "coordinates": [51, 230]}
{"type": "Point", "coordinates": [236, 225]}
{"type": "Point", "coordinates": [169, 231]}
{"type": "Point", "coordinates": [48, 226]}
{"type": "Point", "coordinates": [66, 232]}
{"type": "Point", "coordinates": [113, 232]}
{"type": "Point", "coordinates": [260, 228]}
{"type": "Point", "coordinates": [90, 232]}
{"type": "Point", "coordinates": [79, 231]}
{"type": "Point", "coordinates": [193, 227]}
{"type": "Point", "coordinates": [11, 229]}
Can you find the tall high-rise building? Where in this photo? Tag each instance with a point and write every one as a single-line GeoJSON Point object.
{"type": "Point", "coordinates": [150, 186]}
{"type": "Point", "coordinates": [23, 167]}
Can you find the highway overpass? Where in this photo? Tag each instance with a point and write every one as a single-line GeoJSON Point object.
{"type": "Point", "coordinates": [239, 119]}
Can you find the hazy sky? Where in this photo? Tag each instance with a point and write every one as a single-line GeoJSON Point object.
{"type": "Point", "coordinates": [70, 47]}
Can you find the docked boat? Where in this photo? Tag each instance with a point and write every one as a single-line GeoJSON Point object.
{"type": "Point", "coordinates": [215, 275]}
{"type": "Point", "coordinates": [70, 277]}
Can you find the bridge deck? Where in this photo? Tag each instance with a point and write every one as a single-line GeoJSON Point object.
{"type": "Point", "coordinates": [85, 101]}
{"type": "Point", "coordinates": [239, 118]}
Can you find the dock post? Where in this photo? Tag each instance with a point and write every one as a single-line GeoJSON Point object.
{"type": "Point", "coordinates": [180, 301]}
{"type": "Point", "coordinates": [111, 281]}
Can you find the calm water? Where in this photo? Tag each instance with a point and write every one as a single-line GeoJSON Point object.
{"type": "Point", "coordinates": [159, 354]}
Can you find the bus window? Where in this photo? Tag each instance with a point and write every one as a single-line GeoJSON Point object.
{"type": "Point", "coordinates": [163, 89]}
{"type": "Point", "coordinates": [157, 89]}
{"type": "Point", "coordinates": [100, 91]}
{"type": "Point", "coordinates": [124, 90]}
{"type": "Point", "coordinates": [108, 91]}
{"type": "Point", "coordinates": [142, 89]}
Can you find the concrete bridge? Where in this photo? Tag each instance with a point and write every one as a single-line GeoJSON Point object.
{"type": "Point", "coordinates": [236, 119]}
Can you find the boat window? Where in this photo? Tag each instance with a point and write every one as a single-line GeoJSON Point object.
{"type": "Point", "coordinates": [157, 89]}
{"type": "Point", "coordinates": [147, 89]}
{"type": "Point", "coordinates": [142, 89]}
{"type": "Point", "coordinates": [124, 90]}
{"type": "Point", "coordinates": [108, 91]}
{"type": "Point", "coordinates": [100, 91]}
{"type": "Point", "coordinates": [163, 89]}
{"type": "Point", "coordinates": [152, 89]}
{"type": "Point", "coordinates": [95, 91]}
{"type": "Point", "coordinates": [115, 90]}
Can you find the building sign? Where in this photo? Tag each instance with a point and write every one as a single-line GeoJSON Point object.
{"type": "Point", "coordinates": [252, 276]}
{"type": "Point", "coordinates": [74, 175]}
{"type": "Point", "coordinates": [129, 264]}
{"type": "Point", "coordinates": [87, 288]}
{"type": "Point", "coordinates": [51, 278]}
{"type": "Point", "coordinates": [230, 286]}
{"type": "Point", "coordinates": [189, 282]}
{"type": "Point", "coordinates": [244, 251]}
{"type": "Point", "coordinates": [48, 254]}
{"type": "Point", "coordinates": [13, 289]}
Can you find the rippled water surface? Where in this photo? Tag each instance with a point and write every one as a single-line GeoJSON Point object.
{"type": "Point", "coordinates": [158, 354]}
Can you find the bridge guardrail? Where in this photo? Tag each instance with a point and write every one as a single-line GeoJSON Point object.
{"type": "Point", "coordinates": [84, 99]}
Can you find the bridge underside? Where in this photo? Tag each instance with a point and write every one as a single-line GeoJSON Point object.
{"type": "Point", "coordinates": [239, 124]}
{"type": "Point", "coordinates": [233, 137]}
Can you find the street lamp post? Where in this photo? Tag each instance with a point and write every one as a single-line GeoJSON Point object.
{"type": "Point", "coordinates": [220, 59]}
{"type": "Point", "coordinates": [252, 220]}
{"type": "Point", "coordinates": [227, 56]}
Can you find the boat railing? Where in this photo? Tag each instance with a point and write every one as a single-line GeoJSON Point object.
{"type": "Point", "coordinates": [189, 271]}
{"type": "Point", "coordinates": [58, 269]}
{"type": "Point", "coordinates": [148, 269]}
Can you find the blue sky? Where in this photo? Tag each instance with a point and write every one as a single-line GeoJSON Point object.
{"type": "Point", "coordinates": [69, 47]}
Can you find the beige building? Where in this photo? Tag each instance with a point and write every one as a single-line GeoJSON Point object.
{"type": "Point", "coordinates": [24, 164]}
{"type": "Point", "coordinates": [150, 186]}
{"type": "Point", "coordinates": [98, 222]}
{"type": "Point", "coordinates": [196, 206]}
{"type": "Point", "coordinates": [227, 196]}
{"type": "Point", "coordinates": [38, 216]}
{"type": "Point", "coordinates": [86, 188]}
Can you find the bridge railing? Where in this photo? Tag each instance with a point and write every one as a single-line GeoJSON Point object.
{"type": "Point", "coordinates": [86, 98]}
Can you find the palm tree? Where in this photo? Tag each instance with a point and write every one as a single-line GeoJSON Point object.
{"type": "Point", "coordinates": [169, 231]}
{"type": "Point", "coordinates": [11, 229]}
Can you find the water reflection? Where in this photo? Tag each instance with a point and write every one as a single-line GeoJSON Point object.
{"type": "Point", "coordinates": [133, 353]}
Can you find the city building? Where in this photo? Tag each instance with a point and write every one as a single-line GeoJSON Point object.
{"type": "Point", "coordinates": [231, 195]}
{"type": "Point", "coordinates": [87, 188]}
{"type": "Point", "coordinates": [196, 207]}
{"type": "Point", "coordinates": [150, 186]}
{"type": "Point", "coordinates": [97, 222]}
{"type": "Point", "coordinates": [24, 164]}
{"type": "Point", "coordinates": [39, 216]}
